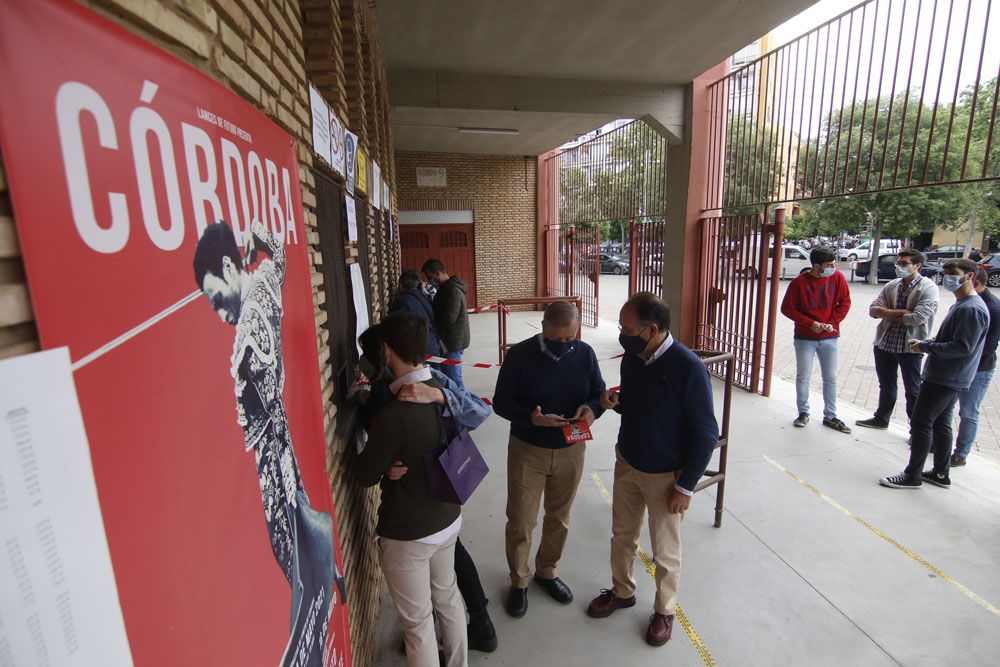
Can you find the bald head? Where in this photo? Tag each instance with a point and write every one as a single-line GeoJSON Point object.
{"type": "Point", "coordinates": [647, 308]}
{"type": "Point", "coordinates": [561, 314]}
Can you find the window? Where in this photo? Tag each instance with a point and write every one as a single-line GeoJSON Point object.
{"type": "Point", "coordinates": [454, 240]}
{"type": "Point", "coordinates": [411, 240]}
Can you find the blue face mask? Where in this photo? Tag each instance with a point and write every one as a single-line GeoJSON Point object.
{"type": "Point", "coordinates": [951, 283]}
{"type": "Point", "coordinates": [558, 347]}
{"type": "Point", "coordinates": [633, 344]}
{"type": "Point", "coordinates": [826, 273]}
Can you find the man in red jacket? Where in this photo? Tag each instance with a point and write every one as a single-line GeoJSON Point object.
{"type": "Point", "coordinates": [817, 301]}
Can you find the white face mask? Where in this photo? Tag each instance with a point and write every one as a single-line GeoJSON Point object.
{"type": "Point", "coordinates": [904, 271]}
{"type": "Point", "coordinates": [826, 273]}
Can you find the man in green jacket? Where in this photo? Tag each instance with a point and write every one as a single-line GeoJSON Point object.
{"type": "Point", "coordinates": [451, 317]}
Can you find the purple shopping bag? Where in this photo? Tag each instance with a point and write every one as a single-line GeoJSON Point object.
{"type": "Point", "coordinates": [455, 469]}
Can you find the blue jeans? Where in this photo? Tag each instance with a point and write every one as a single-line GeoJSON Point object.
{"type": "Point", "coordinates": [968, 410]}
{"type": "Point", "coordinates": [454, 373]}
{"type": "Point", "coordinates": [826, 350]}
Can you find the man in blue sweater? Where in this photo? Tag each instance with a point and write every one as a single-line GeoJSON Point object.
{"type": "Point", "coordinates": [667, 436]}
{"type": "Point", "coordinates": [952, 359]}
{"type": "Point", "coordinates": [552, 373]}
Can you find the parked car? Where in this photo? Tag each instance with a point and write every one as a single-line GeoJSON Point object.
{"type": "Point", "coordinates": [613, 264]}
{"type": "Point", "coordinates": [654, 264]}
{"type": "Point", "coordinates": [944, 252]}
{"type": "Point", "coordinates": [794, 259]}
{"type": "Point", "coordinates": [887, 269]}
{"type": "Point", "coordinates": [992, 265]}
{"type": "Point", "coordinates": [863, 252]}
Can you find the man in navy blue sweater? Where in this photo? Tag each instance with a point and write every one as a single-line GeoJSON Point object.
{"type": "Point", "coordinates": [667, 436]}
{"type": "Point", "coordinates": [548, 374]}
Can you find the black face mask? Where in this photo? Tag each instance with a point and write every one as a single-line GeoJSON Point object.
{"type": "Point", "coordinates": [558, 347]}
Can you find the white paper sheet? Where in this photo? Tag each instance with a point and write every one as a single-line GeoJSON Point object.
{"type": "Point", "coordinates": [360, 302]}
{"type": "Point", "coordinates": [320, 124]}
{"type": "Point", "coordinates": [352, 218]}
{"type": "Point", "coordinates": [376, 186]}
{"type": "Point", "coordinates": [336, 143]}
{"type": "Point", "coordinates": [58, 597]}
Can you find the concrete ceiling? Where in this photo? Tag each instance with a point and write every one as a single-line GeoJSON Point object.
{"type": "Point", "coordinates": [553, 69]}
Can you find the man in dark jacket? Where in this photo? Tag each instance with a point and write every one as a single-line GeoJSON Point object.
{"type": "Point", "coordinates": [412, 300]}
{"type": "Point", "coordinates": [450, 315]}
{"type": "Point", "coordinates": [667, 436]}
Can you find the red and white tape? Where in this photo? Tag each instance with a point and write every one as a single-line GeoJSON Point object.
{"type": "Point", "coordinates": [482, 309]}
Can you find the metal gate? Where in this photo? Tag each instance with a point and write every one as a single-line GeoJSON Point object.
{"type": "Point", "coordinates": [645, 272]}
{"type": "Point", "coordinates": [738, 293]}
{"type": "Point", "coordinates": [579, 268]}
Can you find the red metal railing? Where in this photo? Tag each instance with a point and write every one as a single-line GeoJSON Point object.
{"type": "Point", "coordinates": [645, 272]}
{"type": "Point", "coordinates": [503, 309]}
{"type": "Point", "coordinates": [738, 292]}
{"type": "Point", "coordinates": [578, 269]}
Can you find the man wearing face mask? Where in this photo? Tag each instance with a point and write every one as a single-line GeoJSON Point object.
{"type": "Point", "coordinates": [817, 301]}
{"type": "Point", "coordinates": [905, 309]}
{"type": "Point", "coordinates": [953, 357]}
{"type": "Point", "coordinates": [667, 436]}
{"type": "Point", "coordinates": [552, 373]}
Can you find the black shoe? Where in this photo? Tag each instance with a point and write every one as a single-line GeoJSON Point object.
{"type": "Point", "coordinates": [937, 479]}
{"type": "Point", "coordinates": [517, 601]}
{"type": "Point", "coordinates": [901, 481]}
{"type": "Point", "coordinates": [957, 460]}
{"type": "Point", "coordinates": [802, 420]}
{"type": "Point", "coordinates": [837, 425]}
{"type": "Point", "coordinates": [556, 589]}
{"type": "Point", "coordinates": [872, 423]}
{"type": "Point", "coordinates": [482, 634]}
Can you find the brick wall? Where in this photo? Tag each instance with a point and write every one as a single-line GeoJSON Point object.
{"type": "Point", "coordinates": [256, 48]}
{"type": "Point", "coordinates": [501, 190]}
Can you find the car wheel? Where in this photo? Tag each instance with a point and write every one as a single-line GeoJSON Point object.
{"type": "Point", "coordinates": [994, 280]}
{"type": "Point", "coordinates": [618, 270]}
{"type": "Point", "coordinates": [852, 257]}
{"type": "Point", "coordinates": [939, 278]}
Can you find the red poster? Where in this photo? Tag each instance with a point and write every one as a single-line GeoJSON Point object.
{"type": "Point", "coordinates": [161, 222]}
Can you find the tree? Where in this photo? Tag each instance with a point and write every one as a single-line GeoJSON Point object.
{"type": "Point", "coordinates": [864, 139]}
{"type": "Point", "coordinates": [753, 167]}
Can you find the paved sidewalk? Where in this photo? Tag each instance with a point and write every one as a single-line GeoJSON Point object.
{"type": "Point", "coordinates": [850, 577]}
{"type": "Point", "coordinates": [857, 382]}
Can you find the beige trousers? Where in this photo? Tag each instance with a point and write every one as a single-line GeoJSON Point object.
{"type": "Point", "coordinates": [634, 493]}
{"type": "Point", "coordinates": [421, 577]}
{"type": "Point", "coordinates": [531, 473]}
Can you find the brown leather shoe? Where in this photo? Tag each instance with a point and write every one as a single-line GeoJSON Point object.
{"type": "Point", "coordinates": [660, 629]}
{"type": "Point", "coordinates": [606, 604]}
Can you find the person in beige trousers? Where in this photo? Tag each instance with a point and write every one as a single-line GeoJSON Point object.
{"type": "Point", "coordinates": [552, 373]}
{"type": "Point", "coordinates": [667, 436]}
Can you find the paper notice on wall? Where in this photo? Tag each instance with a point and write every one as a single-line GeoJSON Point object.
{"type": "Point", "coordinates": [385, 196]}
{"type": "Point", "coordinates": [350, 159]}
{"type": "Point", "coordinates": [336, 143]}
{"type": "Point", "coordinates": [360, 302]}
{"type": "Point", "coordinates": [432, 177]}
{"type": "Point", "coordinates": [320, 124]}
{"type": "Point", "coordinates": [58, 597]}
{"type": "Point", "coordinates": [352, 218]}
{"type": "Point", "coordinates": [376, 186]}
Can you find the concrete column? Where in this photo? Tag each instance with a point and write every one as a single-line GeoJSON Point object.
{"type": "Point", "coordinates": [687, 183]}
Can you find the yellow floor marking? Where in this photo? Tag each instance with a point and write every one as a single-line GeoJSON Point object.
{"type": "Point", "coordinates": [699, 645]}
{"type": "Point", "coordinates": [923, 561]}
{"type": "Point", "coordinates": [985, 461]}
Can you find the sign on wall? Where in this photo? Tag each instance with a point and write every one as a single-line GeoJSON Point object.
{"type": "Point", "coordinates": [350, 159]}
{"type": "Point", "coordinates": [376, 196]}
{"type": "Point", "coordinates": [161, 222]}
{"type": "Point", "coordinates": [432, 177]}
{"type": "Point", "coordinates": [336, 143]}
{"type": "Point", "coordinates": [361, 181]}
{"type": "Point", "coordinates": [322, 141]}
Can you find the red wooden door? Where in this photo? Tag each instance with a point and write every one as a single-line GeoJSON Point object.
{"type": "Point", "coordinates": [452, 244]}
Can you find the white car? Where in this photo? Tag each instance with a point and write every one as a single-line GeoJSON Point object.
{"type": "Point", "coordinates": [793, 259]}
{"type": "Point", "coordinates": [863, 252]}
